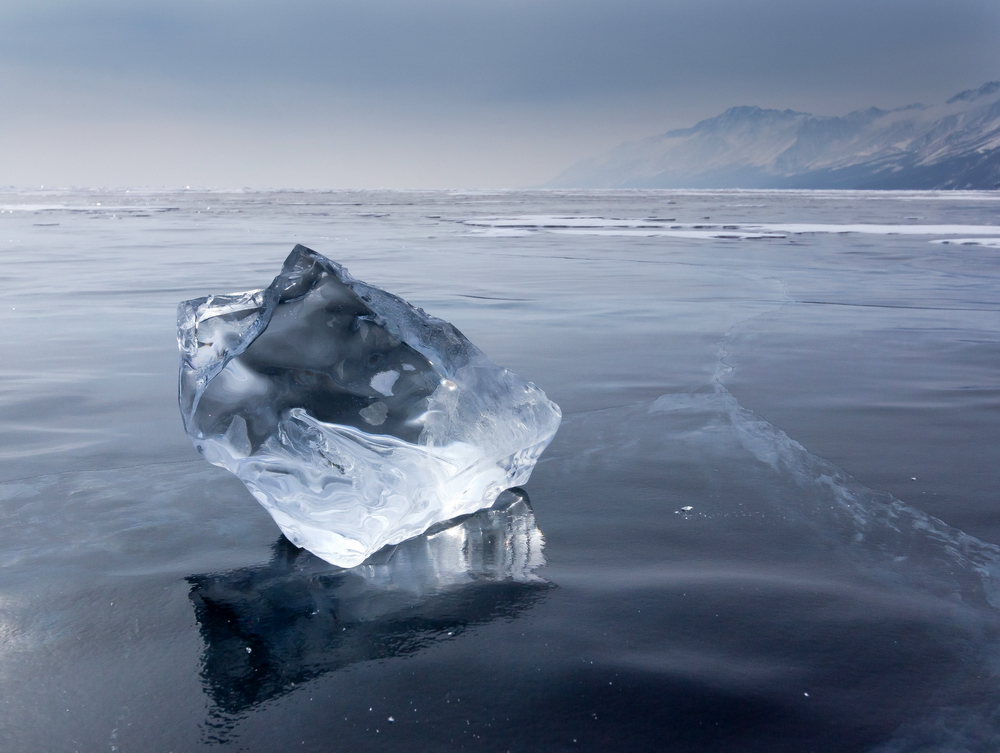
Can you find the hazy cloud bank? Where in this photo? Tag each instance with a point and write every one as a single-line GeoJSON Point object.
{"type": "Point", "coordinates": [386, 92]}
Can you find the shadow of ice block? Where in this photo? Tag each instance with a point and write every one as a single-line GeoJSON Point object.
{"type": "Point", "coordinates": [269, 628]}
{"type": "Point", "coordinates": [355, 419]}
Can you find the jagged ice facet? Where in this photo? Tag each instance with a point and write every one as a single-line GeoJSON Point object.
{"type": "Point", "coordinates": [355, 419]}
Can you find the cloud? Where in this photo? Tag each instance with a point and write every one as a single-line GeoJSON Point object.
{"type": "Point", "coordinates": [509, 49]}
{"type": "Point", "coordinates": [533, 82]}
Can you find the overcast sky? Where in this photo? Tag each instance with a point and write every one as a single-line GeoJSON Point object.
{"type": "Point", "coordinates": [438, 93]}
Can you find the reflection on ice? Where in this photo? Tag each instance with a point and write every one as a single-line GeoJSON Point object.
{"type": "Point", "coordinates": [269, 628]}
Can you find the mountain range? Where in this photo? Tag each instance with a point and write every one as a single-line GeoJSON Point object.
{"type": "Point", "coordinates": [951, 146]}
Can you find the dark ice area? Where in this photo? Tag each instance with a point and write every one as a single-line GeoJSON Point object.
{"type": "Point", "coordinates": [319, 351]}
{"type": "Point", "coordinates": [269, 628]}
{"type": "Point", "coordinates": [767, 523]}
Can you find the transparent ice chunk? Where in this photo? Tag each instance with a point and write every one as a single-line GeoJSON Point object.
{"type": "Point", "coordinates": [354, 418]}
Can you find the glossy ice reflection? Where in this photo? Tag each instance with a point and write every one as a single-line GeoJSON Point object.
{"type": "Point", "coordinates": [267, 629]}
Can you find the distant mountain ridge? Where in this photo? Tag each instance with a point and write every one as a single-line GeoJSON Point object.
{"type": "Point", "coordinates": [951, 146]}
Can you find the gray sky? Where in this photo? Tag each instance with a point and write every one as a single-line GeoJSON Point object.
{"type": "Point", "coordinates": [438, 93]}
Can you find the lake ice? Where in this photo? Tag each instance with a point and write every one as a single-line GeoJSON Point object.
{"type": "Point", "coordinates": [769, 516]}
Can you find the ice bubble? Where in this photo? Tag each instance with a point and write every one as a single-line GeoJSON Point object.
{"type": "Point", "coordinates": [355, 419]}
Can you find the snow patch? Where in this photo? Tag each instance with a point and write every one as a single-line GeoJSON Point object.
{"type": "Point", "coordinates": [657, 227]}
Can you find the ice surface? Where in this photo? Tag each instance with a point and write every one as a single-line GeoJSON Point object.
{"type": "Point", "coordinates": [988, 242]}
{"type": "Point", "coordinates": [355, 419]}
{"type": "Point", "coordinates": [304, 618]}
{"type": "Point", "coordinates": [656, 227]}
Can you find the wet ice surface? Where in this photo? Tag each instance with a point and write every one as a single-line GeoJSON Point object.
{"type": "Point", "coordinates": [713, 579]}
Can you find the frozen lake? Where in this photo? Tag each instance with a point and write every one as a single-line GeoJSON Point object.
{"type": "Point", "coordinates": [768, 523]}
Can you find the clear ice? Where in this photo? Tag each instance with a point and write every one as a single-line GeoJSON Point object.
{"type": "Point", "coordinates": [354, 418]}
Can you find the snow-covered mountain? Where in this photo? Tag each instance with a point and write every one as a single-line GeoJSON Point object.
{"type": "Point", "coordinates": [954, 145]}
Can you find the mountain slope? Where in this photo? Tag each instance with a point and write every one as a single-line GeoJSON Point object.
{"type": "Point", "coordinates": [954, 145]}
